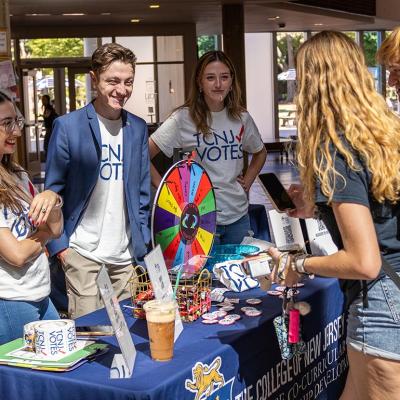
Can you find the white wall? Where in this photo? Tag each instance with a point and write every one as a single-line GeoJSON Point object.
{"type": "Point", "coordinates": [259, 81]}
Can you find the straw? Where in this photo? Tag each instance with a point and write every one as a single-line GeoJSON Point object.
{"type": "Point", "coordinates": [178, 277]}
{"type": "Point", "coordinates": [188, 264]}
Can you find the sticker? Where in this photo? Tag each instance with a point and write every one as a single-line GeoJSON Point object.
{"type": "Point", "coordinates": [220, 313]}
{"type": "Point", "coordinates": [244, 309]}
{"type": "Point", "coordinates": [209, 316]}
{"type": "Point", "coordinates": [226, 321]}
{"type": "Point", "coordinates": [233, 300]}
{"type": "Point", "coordinates": [254, 301]}
{"type": "Point", "coordinates": [253, 313]}
{"type": "Point", "coordinates": [227, 308]}
{"type": "Point", "coordinates": [233, 316]}
{"type": "Point", "coordinates": [224, 304]}
{"type": "Point", "coordinates": [209, 321]}
{"type": "Point", "coordinates": [274, 293]}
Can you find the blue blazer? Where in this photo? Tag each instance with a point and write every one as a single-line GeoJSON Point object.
{"type": "Point", "coordinates": [73, 167]}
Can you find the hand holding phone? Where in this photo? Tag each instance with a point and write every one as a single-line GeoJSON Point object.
{"type": "Point", "coordinates": [276, 193]}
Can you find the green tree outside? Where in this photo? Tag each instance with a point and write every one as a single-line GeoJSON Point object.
{"type": "Point", "coordinates": [206, 43]}
{"type": "Point", "coordinates": [48, 48]}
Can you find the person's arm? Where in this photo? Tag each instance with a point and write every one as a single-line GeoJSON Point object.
{"type": "Point", "coordinates": [155, 176]}
{"type": "Point", "coordinates": [57, 167]}
{"type": "Point", "coordinates": [256, 164]}
{"type": "Point", "coordinates": [19, 252]}
{"type": "Point", "coordinates": [46, 209]}
{"type": "Point", "coordinates": [360, 257]}
{"type": "Point", "coordinates": [144, 190]}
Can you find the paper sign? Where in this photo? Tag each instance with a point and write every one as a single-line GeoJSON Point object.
{"type": "Point", "coordinates": [7, 76]}
{"type": "Point", "coordinates": [321, 242]}
{"type": "Point", "coordinates": [161, 283]}
{"type": "Point", "coordinates": [286, 230]}
{"type": "Point", "coordinates": [3, 42]}
{"type": "Point", "coordinates": [122, 365]}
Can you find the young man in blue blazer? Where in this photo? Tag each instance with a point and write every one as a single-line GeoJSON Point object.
{"type": "Point", "coordinates": [98, 161]}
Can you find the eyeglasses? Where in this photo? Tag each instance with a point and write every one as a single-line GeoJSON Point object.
{"type": "Point", "coordinates": [9, 124]}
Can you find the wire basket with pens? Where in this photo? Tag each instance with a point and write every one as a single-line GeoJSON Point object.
{"type": "Point", "coordinates": [141, 291]}
{"type": "Point", "coordinates": [192, 293]}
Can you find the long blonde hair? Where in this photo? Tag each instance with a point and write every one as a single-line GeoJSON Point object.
{"type": "Point", "coordinates": [11, 193]}
{"type": "Point", "coordinates": [389, 52]}
{"type": "Point", "coordinates": [336, 97]}
{"type": "Point", "coordinates": [198, 109]}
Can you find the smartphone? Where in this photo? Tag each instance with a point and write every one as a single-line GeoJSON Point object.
{"type": "Point", "coordinates": [94, 330]}
{"type": "Point", "coordinates": [276, 193]}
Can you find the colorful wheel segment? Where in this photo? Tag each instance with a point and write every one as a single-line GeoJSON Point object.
{"type": "Point", "coordinates": [184, 214]}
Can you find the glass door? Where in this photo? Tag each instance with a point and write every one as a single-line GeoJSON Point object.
{"type": "Point", "coordinates": [80, 91]}
{"type": "Point", "coordinates": [32, 126]}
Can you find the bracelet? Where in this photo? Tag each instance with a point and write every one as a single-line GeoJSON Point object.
{"type": "Point", "coordinates": [298, 264]}
{"type": "Point", "coordinates": [283, 265]}
{"type": "Point", "coordinates": [59, 203]}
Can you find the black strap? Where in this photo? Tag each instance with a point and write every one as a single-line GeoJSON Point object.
{"type": "Point", "coordinates": [390, 272]}
{"type": "Point", "coordinates": [365, 293]}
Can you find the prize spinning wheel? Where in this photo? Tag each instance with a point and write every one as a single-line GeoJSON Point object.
{"type": "Point", "coordinates": [184, 213]}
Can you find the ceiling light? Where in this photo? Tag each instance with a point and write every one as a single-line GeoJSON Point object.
{"type": "Point", "coordinates": [154, 6]}
{"type": "Point", "coordinates": [318, 24]}
{"type": "Point", "coordinates": [73, 14]}
{"type": "Point", "coordinates": [37, 15]}
{"type": "Point", "coordinates": [273, 18]}
{"type": "Point", "coordinates": [135, 20]}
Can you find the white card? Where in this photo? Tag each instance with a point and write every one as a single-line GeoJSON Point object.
{"type": "Point", "coordinates": [122, 367]}
{"type": "Point", "coordinates": [161, 283]}
{"type": "Point", "coordinates": [286, 230]}
{"type": "Point", "coordinates": [321, 242]}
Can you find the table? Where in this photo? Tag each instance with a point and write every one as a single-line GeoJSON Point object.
{"type": "Point", "coordinates": [282, 146]}
{"type": "Point", "coordinates": [238, 362]}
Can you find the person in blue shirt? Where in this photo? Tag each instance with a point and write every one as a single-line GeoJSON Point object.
{"type": "Point", "coordinates": [349, 161]}
{"type": "Point", "coordinates": [98, 161]}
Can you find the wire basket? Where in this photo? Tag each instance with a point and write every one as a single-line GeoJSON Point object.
{"type": "Point", "coordinates": [193, 295]}
{"type": "Point", "coordinates": [141, 291]}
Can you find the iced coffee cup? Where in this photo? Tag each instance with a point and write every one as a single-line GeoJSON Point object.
{"type": "Point", "coordinates": [160, 316]}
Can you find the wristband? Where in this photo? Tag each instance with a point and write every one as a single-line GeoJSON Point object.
{"type": "Point", "coordinates": [59, 203]}
{"type": "Point", "coordinates": [298, 264]}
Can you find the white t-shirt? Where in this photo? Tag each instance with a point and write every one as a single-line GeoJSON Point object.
{"type": "Point", "coordinates": [220, 153]}
{"type": "Point", "coordinates": [31, 282]}
{"type": "Point", "coordinates": [103, 234]}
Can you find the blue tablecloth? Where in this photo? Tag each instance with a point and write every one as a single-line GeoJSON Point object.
{"type": "Point", "coordinates": [244, 360]}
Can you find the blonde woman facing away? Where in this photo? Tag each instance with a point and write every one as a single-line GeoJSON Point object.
{"type": "Point", "coordinates": [349, 160]}
{"type": "Point", "coordinates": [27, 221]}
{"type": "Point", "coordinates": [214, 124]}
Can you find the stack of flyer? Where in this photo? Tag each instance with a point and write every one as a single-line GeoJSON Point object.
{"type": "Point", "coordinates": [14, 354]}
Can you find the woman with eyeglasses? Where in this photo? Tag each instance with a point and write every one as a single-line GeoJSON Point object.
{"type": "Point", "coordinates": [214, 124]}
{"type": "Point", "coordinates": [27, 221]}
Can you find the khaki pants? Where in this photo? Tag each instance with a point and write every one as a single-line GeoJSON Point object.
{"type": "Point", "coordinates": [80, 279]}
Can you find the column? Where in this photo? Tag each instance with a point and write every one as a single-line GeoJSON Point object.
{"type": "Point", "coordinates": [5, 38]}
{"type": "Point", "coordinates": [233, 40]}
